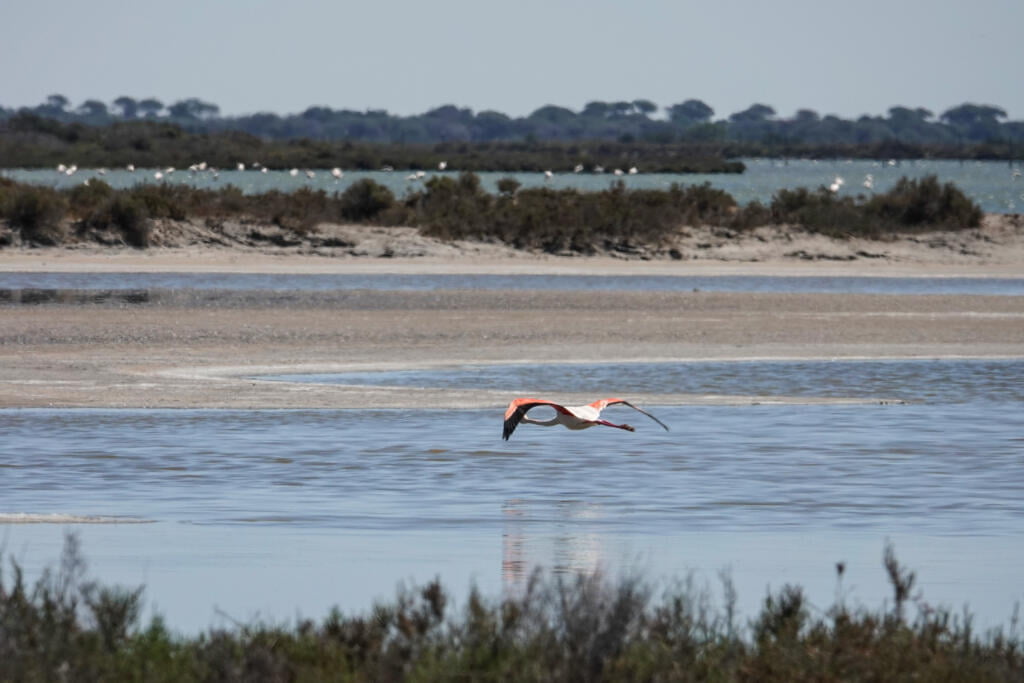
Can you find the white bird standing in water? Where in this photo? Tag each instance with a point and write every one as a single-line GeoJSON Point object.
{"type": "Point", "coordinates": [571, 417]}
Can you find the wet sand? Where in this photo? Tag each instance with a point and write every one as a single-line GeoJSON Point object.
{"type": "Point", "coordinates": [179, 353]}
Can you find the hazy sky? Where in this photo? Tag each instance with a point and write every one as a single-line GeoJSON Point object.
{"type": "Point", "coordinates": [847, 58]}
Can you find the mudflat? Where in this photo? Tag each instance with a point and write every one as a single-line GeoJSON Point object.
{"type": "Point", "coordinates": [178, 350]}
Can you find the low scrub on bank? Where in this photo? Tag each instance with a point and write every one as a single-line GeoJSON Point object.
{"type": "Point", "coordinates": [544, 219]}
{"type": "Point", "coordinates": [558, 628]}
{"type": "Point", "coordinates": [29, 141]}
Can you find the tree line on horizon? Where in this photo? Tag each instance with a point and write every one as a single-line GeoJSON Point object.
{"type": "Point", "coordinates": [691, 121]}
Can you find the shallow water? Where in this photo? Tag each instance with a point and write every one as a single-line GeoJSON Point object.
{"type": "Point", "coordinates": [992, 184]}
{"type": "Point", "coordinates": [280, 511]}
{"type": "Point", "coordinates": [14, 284]}
{"type": "Point", "coordinates": [951, 382]}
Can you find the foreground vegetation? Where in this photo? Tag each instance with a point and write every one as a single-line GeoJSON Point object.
{"type": "Point", "coordinates": [542, 219]}
{"type": "Point", "coordinates": [587, 628]}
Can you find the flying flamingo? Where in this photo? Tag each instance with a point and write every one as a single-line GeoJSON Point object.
{"type": "Point", "coordinates": [572, 417]}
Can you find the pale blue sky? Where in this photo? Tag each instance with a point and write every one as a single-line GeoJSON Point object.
{"type": "Point", "coordinates": [846, 58]}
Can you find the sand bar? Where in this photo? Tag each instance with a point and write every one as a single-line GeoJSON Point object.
{"type": "Point", "coordinates": [179, 353]}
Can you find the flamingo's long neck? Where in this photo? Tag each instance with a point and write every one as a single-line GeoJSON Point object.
{"type": "Point", "coordinates": [543, 423]}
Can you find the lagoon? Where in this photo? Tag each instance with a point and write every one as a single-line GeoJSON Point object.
{"type": "Point", "coordinates": [996, 186]}
{"type": "Point", "coordinates": [279, 513]}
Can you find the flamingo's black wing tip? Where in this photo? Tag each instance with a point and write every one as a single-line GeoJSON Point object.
{"type": "Point", "coordinates": [510, 426]}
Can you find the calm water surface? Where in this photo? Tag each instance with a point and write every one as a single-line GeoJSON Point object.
{"type": "Point", "coordinates": [992, 184]}
{"type": "Point", "coordinates": [13, 283]}
{"type": "Point", "coordinates": [287, 512]}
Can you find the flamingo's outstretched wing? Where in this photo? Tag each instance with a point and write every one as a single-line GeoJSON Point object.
{"type": "Point", "coordinates": [605, 402]}
{"type": "Point", "coordinates": [518, 408]}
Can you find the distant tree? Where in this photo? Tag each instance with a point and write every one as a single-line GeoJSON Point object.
{"type": "Point", "coordinates": [690, 113]}
{"type": "Point", "coordinates": [450, 113]}
{"type": "Point", "coordinates": [493, 125]}
{"type": "Point", "coordinates": [904, 116]}
{"type": "Point", "coordinates": [620, 109]}
{"type": "Point", "coordinates": [806, 116]}
{"type": "Point", "coordinates": [150, 107]}
{"type": "Point", "coordinates": [596, 109]}
{"type": "Point", "coordinates": [553, 114]}
{"type": "Point", "coordinates": [976, 122]}
{"type": "Point", "coordinates": [644, 107]}
{"type": "Point", "coordinates": [193, 108]}
{"type": "Point", "coordinates": [320, 114]}
{"type": "Point", "coordinates": [869, 130]}
{"type": "Point", "coordinates": [92, 108]}
{"type": "Point", "coordinates": [127, 107]}
{"type": "Point", "coordinates": [910, 125]}
{"type": "Point", "coordinates": [970, 114]}
{"type": "Point", "coordinates": [755, 113]}
{"type": "Point", "coordinates": [58, 102]}
{"type": "Point", "coordinates": [55, 106]}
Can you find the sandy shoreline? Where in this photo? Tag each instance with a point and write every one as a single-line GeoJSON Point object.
{"type": "Point", "coordinates": [996, 249]}
{"type": "Point", "coordinates": [182, 352]}
{"type": "Point", "coordinates": [202, 354]}
{"type": "Point", "coordinates": [200, 261]}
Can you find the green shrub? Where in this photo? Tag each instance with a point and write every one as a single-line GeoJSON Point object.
{"type": "Point", "coordinates": [298, 211]}
{"type": "Point", "coordinates": [38, 212]}
{"type": "Point", "coordinates": [164, 201]}
{"type": "Point", "coordinates": [703, 204]}
{"type": "Point", "coordinates": [85, 199]}
{"type": "Point", "coordinates": [925, 203]}
{"type": "Point", "coordinates": [822, 211]}
{"type": "Point", "coordinates": [129, 215]}
{"type": "Point", "coordinates": [508, 186]}
{"type": "Point", "coordinates": [452, 209]}
{"type": "Point", "coordinates": [542, 218]}
{"type": "Point", "coordinates": [364, 200]}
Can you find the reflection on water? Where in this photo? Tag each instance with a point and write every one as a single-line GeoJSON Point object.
{"type": "Point", "coordinates": [565, 551]}
{"type": "Point", "coordinates": [374, 492]}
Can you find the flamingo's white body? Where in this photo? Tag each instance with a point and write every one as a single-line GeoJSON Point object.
{"type": "Point", "coordinates": [571, 417]}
